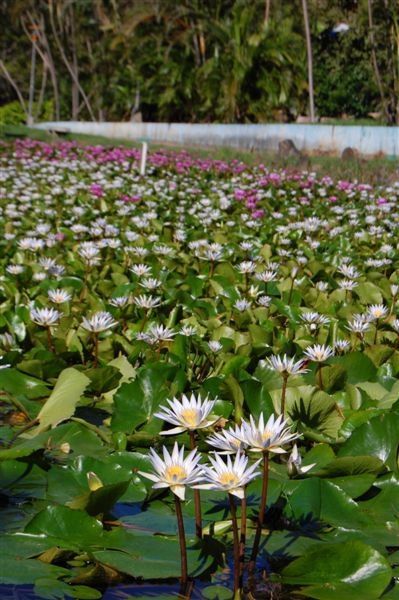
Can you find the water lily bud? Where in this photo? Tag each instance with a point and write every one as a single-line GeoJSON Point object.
{"type": "Point", "coordinates": [65, 448]}
{"type": "Point", "coordinates": [294, 463]}
{"type": "Point", "coordinates": [94, 481]}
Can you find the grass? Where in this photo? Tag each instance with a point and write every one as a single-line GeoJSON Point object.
{"type": "Point", "coordinates": [376, 171]}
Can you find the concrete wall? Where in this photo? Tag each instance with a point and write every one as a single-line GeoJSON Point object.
{"type": "Point", "coordinates": [309, 138]}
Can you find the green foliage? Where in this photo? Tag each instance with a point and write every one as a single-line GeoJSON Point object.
{"type": "Point", "coordinates": [343, 74]}
{"type": "Point", "coordinates": [340, 570]}
{"type": "Point", "coordinates": [199, 61]}
{"type": "Point", "coordinates": [76, 505]}
{"type": "Point", "coordinates": [12, 113]}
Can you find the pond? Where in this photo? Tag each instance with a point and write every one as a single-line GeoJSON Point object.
{"type": "Point", "coordinates": [199, 379]}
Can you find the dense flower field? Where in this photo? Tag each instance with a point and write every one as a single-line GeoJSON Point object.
{"type": "Point", "coordinates": [199, 377]}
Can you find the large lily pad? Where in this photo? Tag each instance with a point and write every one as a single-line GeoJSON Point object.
{"type": "Point", "coordinates": [344, 571]}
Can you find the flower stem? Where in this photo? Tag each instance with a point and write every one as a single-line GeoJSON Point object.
{"type": "Point", "coordinates": [83, 292]}
{"type": "Point", "coordinates": [197, 496]}
{"type": "Point", "coordinates": [50, 342]}
{"type": "Point", "coordinates": [261, 514]}
{"type": "Point", "coordinates": [236, 543]}
{"type": "Point", "coordinates": [182, 542]}
{"type": "Point", "coordinates": [376, 332]}
{"type": "Point", "coordinates": [283, 394]}
{"type": "Point", "coordinates": [291, 290]}
{"type": "Point", "coordinates": [319, 377]}
{"type": "Point", "coordinates": [95, 349]}
{"type": "Point", "coordinates": [243, 537]}
{"type": "Point", "coordinates": [212, 268]}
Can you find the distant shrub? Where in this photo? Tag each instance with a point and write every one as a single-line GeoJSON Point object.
{"type": "Point", "coordinates": [13, 114]}
{"type": "Point", "coordinates": [343, 75]}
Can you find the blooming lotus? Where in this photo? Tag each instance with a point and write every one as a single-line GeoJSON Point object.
{"type": "Point", "coordinates": [174, 471]}
{"type": "Point", "coordinates": [269, 437]}
{"type": "Point", "coordinates": [285, 365]}
{"type": "Point", "coordinates": [188, 414]}
{"type": "Point", "coordinates": [99, 321]}
{"type": "Point", "coordinates": [45, 316]}
{"type": "Point", "coordinates": [229, 441]}
{"type": "Point", "coordinates": [230, 477]}
{"type": "Point", "coordinates": [318, 352]}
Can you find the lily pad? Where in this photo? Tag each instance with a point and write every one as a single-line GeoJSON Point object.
{"type": "Point", "coordinates": [344, 571]}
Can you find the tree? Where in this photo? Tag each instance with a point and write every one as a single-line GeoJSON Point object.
{"type": "Point", "coordinates": [309, 59]}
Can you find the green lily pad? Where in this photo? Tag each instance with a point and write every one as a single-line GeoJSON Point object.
{"type": "Point", "coordinates": [18, 572]}
{"type": "Point", "coordinates": [342, 570]}
{"type": "Point", "coordinates": [154, 558]}
{"type": "Point", "coordinates": [135, 402]}
{"type": "Point", "coordinates": [379, 437]}
{"type": "Point", "coordinates": [20, 384]}
{"type": "Point", "coordinates": [73, 529]}
{"type": "Point", "coordinates": [62, 402]}
{"type": "Point", "coordinates": [322, 502]}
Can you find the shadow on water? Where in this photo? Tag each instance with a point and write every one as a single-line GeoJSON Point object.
{"type": "Point", "coordinates": [270, 559]}
{"type": "Point", "coordinates": [121, 592]}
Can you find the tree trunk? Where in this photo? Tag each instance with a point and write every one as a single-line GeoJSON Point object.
{"type": "Point", "coordinates": [310, 60]}
{"type": "Point", "coordinates": [40, 100]}
{"type": "Point", "coordinates": [74, 65]}
{"type": "Point", "coordinates": [46, 56]}
{"type": "Point", "coordinates": [267, 11]}
{"type": "Point", "coordinates": [377, 74]}
{"type": "Point", "coordinates": [67, 62]}
{"type": "Point", "coordinates": [14, 84]}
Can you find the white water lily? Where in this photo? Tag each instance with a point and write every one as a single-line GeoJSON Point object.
{"type": "Point", "coordinates": [174, 471]}
{"type": "Point", "coordinates": [140, 270]}
{"type": "Point", "coordinates": [318, 352]}
{"type": "Point", "coordinates": [376, 311]}
{"type": "Point", "coordinates": [269, 437]}
{"type": "Point", "coordinates": [215, 345]}
{"type": "Point", "coordinates": [188, 414]}
{"type": "Point", "coordinates": [45, 316]}
{"type": "Point", "coordinates": [120, 301]}
{"type": "Point", "coordinates": [99, 321]}
{"type": "Point", "coordinates": [59, 296]}
{"type": "Point", "coordinates": [285, 365]}
{"type": "Point", "coordinates": [147, 302]}
{"type": "Point", "coordinates": [229, 476]}
{"type": "Point", "coordinates": [229, 441]}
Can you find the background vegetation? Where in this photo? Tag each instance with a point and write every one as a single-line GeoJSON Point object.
{"type": "Point", "coordinates": [198, 60]}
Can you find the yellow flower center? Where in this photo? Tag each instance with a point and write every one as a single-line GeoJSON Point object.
{"type": "Point", "coordinates": [175, 473]}
{"type": "Point", "coordinates": [229, 479]}
{"type": "Point", "coordinates": [266, 435]}
{"type": "Point", "coordinates": [189, 416]}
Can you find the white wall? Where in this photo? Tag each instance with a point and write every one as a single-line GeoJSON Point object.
{"type": "Point", "coordinates": [309, 138]}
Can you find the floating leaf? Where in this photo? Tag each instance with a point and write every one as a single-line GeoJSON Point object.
{"type": "Point", "coordinates": [322, 502]}
{"type": "Point", "coordinates": [69, 528]}
{"type": "Point", "coordinates": [357, 366]}
{"type": "Point", "coordinates": [62, 402]}
{"type": "Point", "coordinates": [17, 571]}
{"type": "Point", "coordinates": [154, 558]}
{"type": "Point", "coordinates": [135, 402]}
{"type": "Point", "coordinates": [17, 383]}
{"type": "Point", "coordinates": [103, 379]}
{"type": "Point", "coordinates": [379, 437]}
{"type": "Point", "coordinates": [101, 500]}
{"type": "Point", "coordinates": [342, 570]}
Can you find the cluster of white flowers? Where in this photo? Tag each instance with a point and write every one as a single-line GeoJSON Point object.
{"type": "Point", "coordinates": [232, 476]}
